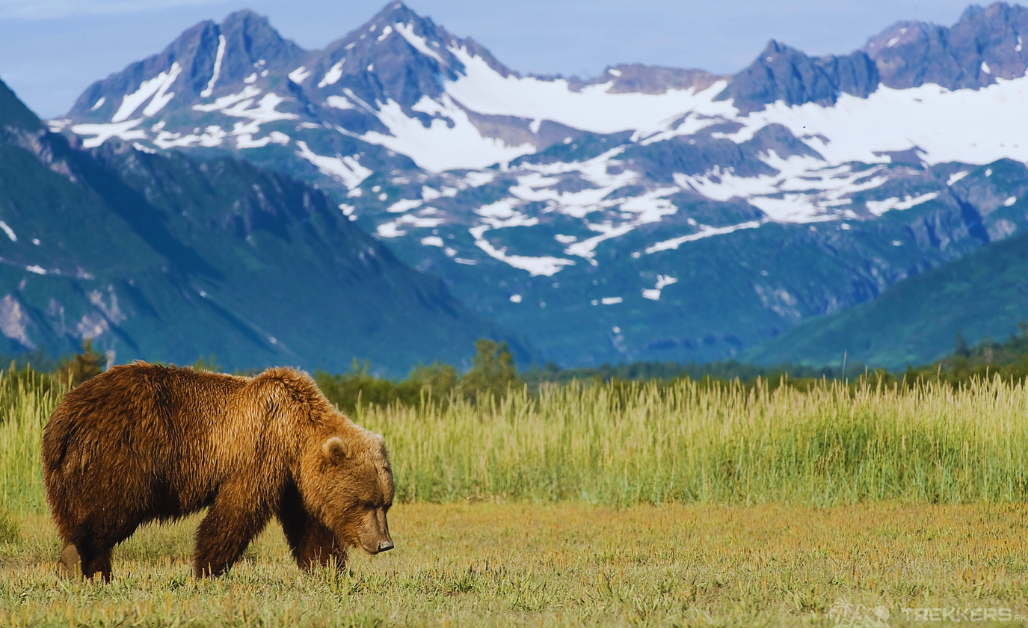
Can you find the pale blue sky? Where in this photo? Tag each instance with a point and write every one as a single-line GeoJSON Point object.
{"type": "Point", "coordinates": [50, 50]}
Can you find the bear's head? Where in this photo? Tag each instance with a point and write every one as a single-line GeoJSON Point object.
{"type": "Point", "coordinates": [352, 489]}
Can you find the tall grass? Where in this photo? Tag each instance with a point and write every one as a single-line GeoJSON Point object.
{"type": "Point", "coordinates": [829, 445]}
{"type": "Point", "coordinates": [645, 443]}
{"type": "Point", "coordinates": [26, 401]}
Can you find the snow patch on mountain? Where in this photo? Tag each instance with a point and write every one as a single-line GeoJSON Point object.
{"type": "Point", "coordinates": [880, 207]}
{"type": "Point", "coordinates": [500, 210]}
{"type": "Point", "coordinates": [396, 229]}
{"type": "Point", "coordinates": [648, 208]}
{"type": "Point", "coordinates": [220, 104]}
{"type": "Point", "coordinates": [403, 205]}
{"type": "Point", "coordinates": [14, 321]}
{"type": "Point", "coordinates": [10, 232]}
{"type": "Point", "coordinates": [155, 89]}
{"type": "Point", "coordinates": [418, 43]}
{"type": "Point", "coordinates": [299, 75]}
{"type": "Point", "coordinates": [546, 266]}
{"type": "Point", "coordinates": [245, 140]}
{"type": "Point", "coordinates": [965, 125]}
{"type": "Point", "coordinates": [347, 170]}
{"type": "Point", "coordinates": [102, 132]}
{"type": "Point", "coordinates": [333, 75]}
{"type": "Point", "coordinates": [339, 102]}
{"type": "Point", "coordinates": [651, 206]}
{"type": "Point", "coordinates": [538, 180]}
{"type": "Point", "coordinates": [689, 124]}
{"type": "Point", "coordinates": [484, 90]}
{"type": "Point", "coordinates": [704, 232]}
{"type": "Point", "coordinates": [803, 190]}
{"type": "Point", "coordinates": [662, 282]}
{"type": "Point", "coordinates": [956, 176]}
{"type": "Point", "coordinates": [440, 146]}
{"type": "Point", "coordinates": [586, 248]}
{"type": "Point", "coordinates": [240, 105]}
{"type": "Point", "coordinates": [219, 56]}
{"type": "Point", "coordinates": [212, 136]}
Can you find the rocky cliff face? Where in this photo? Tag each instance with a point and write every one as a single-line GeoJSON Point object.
{"type": "Point", "coordinates": [985, 45]}
{"type": "Point", "coordinates": [784, 74]}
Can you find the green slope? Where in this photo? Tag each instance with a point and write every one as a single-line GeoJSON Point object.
{"type": "Point", "coordinates": [916, 320]}
{"type": "Point", "coordinates": [164, 257]}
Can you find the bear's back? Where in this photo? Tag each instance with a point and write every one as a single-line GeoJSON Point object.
{"type": "Point", "coordinates": [152, 410]}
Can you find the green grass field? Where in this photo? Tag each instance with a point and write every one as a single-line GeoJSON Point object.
{"type": "Point", "coordinates": [680, 505]}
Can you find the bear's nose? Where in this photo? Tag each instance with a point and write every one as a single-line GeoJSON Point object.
{"type": "Point", "coordinates": [385, 545]}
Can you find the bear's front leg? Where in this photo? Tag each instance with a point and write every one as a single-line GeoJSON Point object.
{"type": "Point", "coordinates": [224, 534]}
{"type": "Point", "coordinates": [311, 542]}
{"type": "Point", "coordinates": [318, 547]}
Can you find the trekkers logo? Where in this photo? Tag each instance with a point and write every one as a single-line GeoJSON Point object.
{"type": "Point", "coordinates": [846, 615]}
{"type": "Point", "coordinates": [954, 614]}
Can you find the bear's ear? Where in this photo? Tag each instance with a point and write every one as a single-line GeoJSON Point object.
{"type": "Point", "coordinates": [335, 449]}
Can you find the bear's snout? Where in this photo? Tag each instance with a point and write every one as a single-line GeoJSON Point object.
{"type": "Point", "coordinates": [374, 534]}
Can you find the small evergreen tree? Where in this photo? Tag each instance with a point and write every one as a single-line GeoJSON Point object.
{"type": "Point", "coordinates": [960, 345]}
{"type": "Point", "coordinates": [493, 370]}
{"type": "Point", "coordinates": [437, 381]}
{"type": "Point", "coordinates": [81, 366]}
{"type": "Point", "coordinates": [207, 364]}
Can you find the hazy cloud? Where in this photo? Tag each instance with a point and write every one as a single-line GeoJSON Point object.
{"type": "Point", "coordinates": [50, 9]}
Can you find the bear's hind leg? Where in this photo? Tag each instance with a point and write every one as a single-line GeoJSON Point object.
{"type": "Point", "coordinates": [99, 562]}
{"type": "Point", "coordinates": [86, 557]}
{"type": "Point", "coordinates": [225, 533]}
{"type": "Point", "coordinates": [89, 551]}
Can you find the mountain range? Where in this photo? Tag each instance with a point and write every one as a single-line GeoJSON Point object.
{"type": "Point", "coordinates": [164, 257]}
{"type": "Point", "coordinates": [648, 213]}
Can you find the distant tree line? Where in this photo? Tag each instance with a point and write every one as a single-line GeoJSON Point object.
{"type": "Point", "coordinates": [493, 374]}
{"type": "Point", "coordinates": [36, 367]}
{"type": "Point", "coordinates": [989, 358]}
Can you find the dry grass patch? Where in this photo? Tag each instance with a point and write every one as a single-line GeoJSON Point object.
{"type": "Point", "coordinates": [558, 565]}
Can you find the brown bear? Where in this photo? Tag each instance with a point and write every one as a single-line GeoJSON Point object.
{"type": "Point", "coordinates": [143, 442]}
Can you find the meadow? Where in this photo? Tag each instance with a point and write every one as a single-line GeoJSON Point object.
{"type": "Point", "coordinates": [630, 504]}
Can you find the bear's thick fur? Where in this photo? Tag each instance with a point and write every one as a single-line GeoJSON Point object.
{"type": "Point", "coordinates": [144, 442]}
